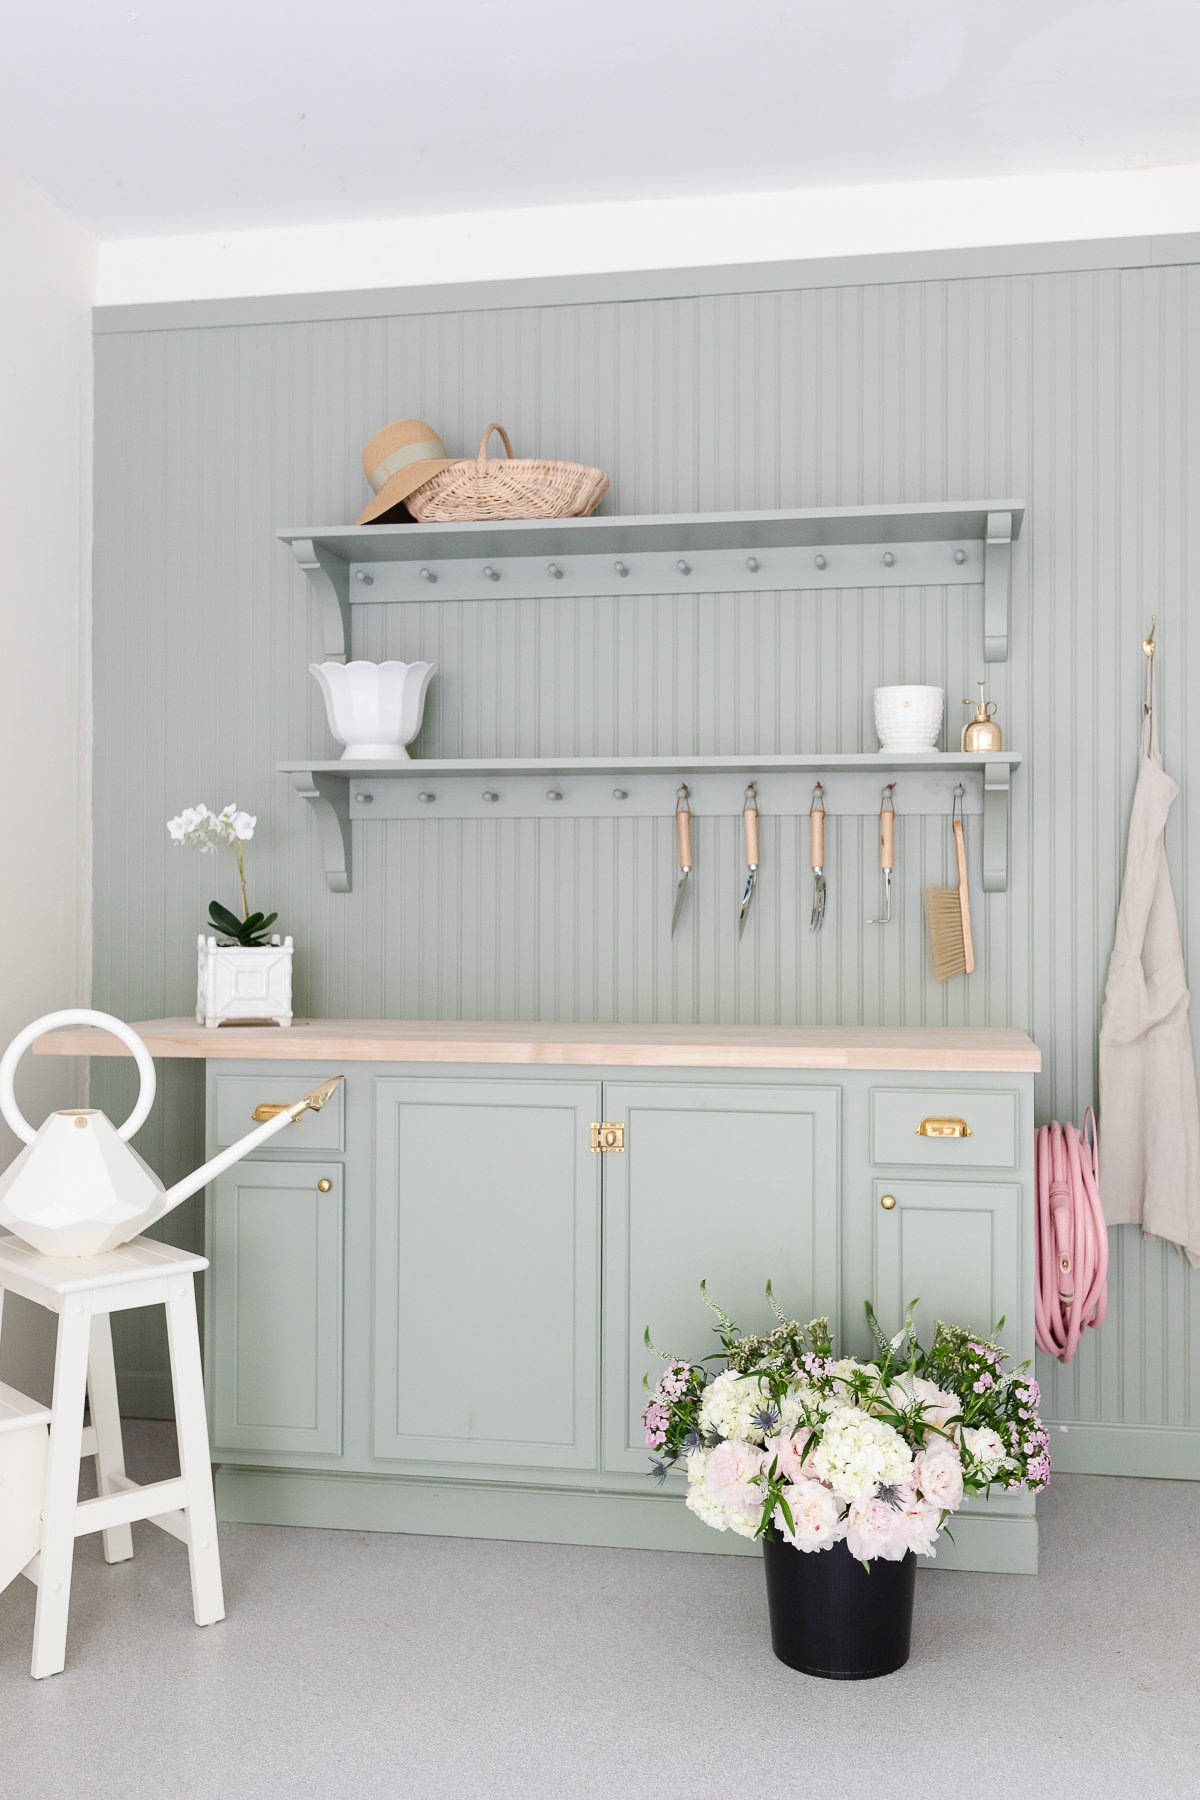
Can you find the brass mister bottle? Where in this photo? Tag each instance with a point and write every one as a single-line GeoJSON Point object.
{"type": "Point", "coordinates": [981, 733]}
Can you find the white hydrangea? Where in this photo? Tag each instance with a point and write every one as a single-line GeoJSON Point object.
{"type": "Point", "coordinates": [802, 1400]}
{"type": "Point", "coordinates": [708, 1508]}
{"type": "Point", "coordinates": [985, 1448]}
{"type": "Point", "coordinates": [729, 1405]}
{"type": "Point", "coordinates": [859, 1454]}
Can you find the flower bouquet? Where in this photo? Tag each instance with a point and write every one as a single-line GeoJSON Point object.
{"type": "Point", "coordinates": [783, 1441]}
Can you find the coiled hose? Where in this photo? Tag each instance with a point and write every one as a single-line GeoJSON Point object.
{"type": "Point", "coordinates": [1072, 1237]}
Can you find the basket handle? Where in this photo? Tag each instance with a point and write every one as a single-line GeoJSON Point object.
{"type": "Point", "coordinates": [481, 459]}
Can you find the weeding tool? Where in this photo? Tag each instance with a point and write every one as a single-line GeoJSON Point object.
{"type": "Point", "coordinates": [816, 824]}
{"type": "Point", "coordinates": [750, 821]}
{"type": "Point", "coordinates": [683, 827]}
{"type": "Point", "coordinates": [887, 851]}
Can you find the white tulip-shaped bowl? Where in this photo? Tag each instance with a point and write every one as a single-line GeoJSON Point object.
{"type": "Point", "coordinates": [374, 709]}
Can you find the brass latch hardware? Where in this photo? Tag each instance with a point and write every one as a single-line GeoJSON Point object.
{"type": "Point", "coordinates": [606, 1136]}
{"type": "Point", "coordinates": [943, 1128]}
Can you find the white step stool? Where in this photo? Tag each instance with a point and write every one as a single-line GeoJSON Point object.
{"type": "Point", "coordinates": [84, 1291]}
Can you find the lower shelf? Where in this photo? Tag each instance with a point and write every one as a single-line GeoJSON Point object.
{"type": "Point", "coordinates": [605, 787]}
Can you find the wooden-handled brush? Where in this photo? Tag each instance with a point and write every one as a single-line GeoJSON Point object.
{"type": "Point", "coordinates": [948, 914]}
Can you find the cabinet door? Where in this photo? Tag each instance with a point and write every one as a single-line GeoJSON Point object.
{"type": "Point", "coordinates": [955, 1247]}
{"type": "Point", "coordinates": [487, 1260]}
{"type": "Point", "coordinates": [275, 1351]}
{"type": "Point", "coordinates": [731, 1184]}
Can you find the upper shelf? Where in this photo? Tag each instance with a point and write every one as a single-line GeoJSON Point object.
{"type": "Point", "coordinates": [961, 542]}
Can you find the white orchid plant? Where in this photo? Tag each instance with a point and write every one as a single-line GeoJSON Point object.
{"type": "Point", "coordinates": [199, 828]}
{"type": "Point", "coordinates": [781, 1437]}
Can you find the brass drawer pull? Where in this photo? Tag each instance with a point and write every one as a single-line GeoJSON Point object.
{"type": "Point", "coordinates": [887, 1201]}
{"type": "Point", "coordinates": [324, 1186]}
{"type": "Point", "coordinates": [943, 1128]}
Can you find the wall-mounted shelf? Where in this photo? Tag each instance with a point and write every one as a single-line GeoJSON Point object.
{"type": "Point", "coordinates": [642, 787]}
{"type": "Point", "coordinates": [956, 542]}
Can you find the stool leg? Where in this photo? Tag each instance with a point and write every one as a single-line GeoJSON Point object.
{"type": "Point", "coordinates": [106, 1417]}
{"type": "Point", "coordinates": [195, 1464]}
{"type": "Point", "coordinates": [62, 1491]}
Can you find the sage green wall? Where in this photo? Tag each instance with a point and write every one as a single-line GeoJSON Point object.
{"type": "Point", "coordinates": [1076, 389]}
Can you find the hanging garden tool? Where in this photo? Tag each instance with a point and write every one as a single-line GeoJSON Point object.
{"type": "Point", "coordinates": [683, 829]}
{"type": "Point", "coordinates": [816, 825]}
{"type": "Point", "coordinates": [887, 851]}
{"type": "Point", "coordinates": [948, 910]}
{"type": "Point", "coordinates": [750, 822]}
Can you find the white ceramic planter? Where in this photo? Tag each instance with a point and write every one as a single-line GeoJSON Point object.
{"type": "Point", "coordinates": [909, 719]}
{"type": "Point", "coordinates": [236, 984]}
{"type": "Point", "coordinates": [374, 709]}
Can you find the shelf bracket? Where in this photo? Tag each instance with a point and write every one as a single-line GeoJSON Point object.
{"type": "Point", "coordinates": [329, 797]}
{"type": "Point", "coordinates": [329, 578]}
{"type": "Point", "coordinates": [997, 787]}
{"type": "Point", "coordinates": [997, 586]}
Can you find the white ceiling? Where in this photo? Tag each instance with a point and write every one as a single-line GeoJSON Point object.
{"type": "Point", "coordinates": [174, 116]}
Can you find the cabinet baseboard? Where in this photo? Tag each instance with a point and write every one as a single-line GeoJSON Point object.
{"type": "Point", "coordinates": [997, 1544]}
{"type": "Point", "coordinates": [1168, 1452]}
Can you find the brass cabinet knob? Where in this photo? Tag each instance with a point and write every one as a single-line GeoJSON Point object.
{"type": "Point", "coordinates": [887, 1201]}
{"type": "Point", "coordinates": [324, 1185]}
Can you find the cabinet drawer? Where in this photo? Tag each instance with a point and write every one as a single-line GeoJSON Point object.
{"type": "Point", "coordinates": [990, 1116]}
{"type": "Point", "coordinates": [235, 1097]}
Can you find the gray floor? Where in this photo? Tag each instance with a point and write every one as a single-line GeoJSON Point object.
{"type": "Point", "coordinates": [373, 1665]}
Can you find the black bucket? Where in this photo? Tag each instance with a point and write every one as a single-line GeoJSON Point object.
{"type": "Point", "coordinates": [831, 1617]}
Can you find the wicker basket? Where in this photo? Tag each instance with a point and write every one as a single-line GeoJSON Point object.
{"type": "Point", "coordinates": [512, 488]}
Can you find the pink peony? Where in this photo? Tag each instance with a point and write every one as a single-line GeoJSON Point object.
{"type": "Point", "coordinates": [876, 1529]}
{"type": "Point", "coordinates": [937, 1476]}
{"type": "Point", "coordinates": [938, 1407]}
{"type": "Point", "coordinates": [787, 1450]}
{"type": "Point", "coordinates": [921, 1522]}
{"type": "Point", "coordinates": [730, 1471]}
{"type": "Point", "coordinates": [814, 1509]}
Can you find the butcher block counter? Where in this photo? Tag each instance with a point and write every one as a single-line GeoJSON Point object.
{"type": "Point", "coordinates": [426, 1303]}
{"type": "Point", "coordinates": [923, 1047]}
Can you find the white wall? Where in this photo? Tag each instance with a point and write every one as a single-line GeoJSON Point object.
{"type": "Point", "coordinates": [601, 236]}
{"type": "Point", "coordinates": [48, 267]}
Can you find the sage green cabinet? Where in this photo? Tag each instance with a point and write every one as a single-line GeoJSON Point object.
{"type": "Point", "coordinates": [954, 1245]}
{"type": "Point", "coordinates": [487, 1272]}
{"type": "Point", "coordinates": [449, 1339]}
{"type": "Point", "coordinates": [274, 1351]}
{"type": "Point", "coordinates": [729, 1184]}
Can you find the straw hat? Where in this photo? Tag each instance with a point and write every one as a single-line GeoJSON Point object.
{"type": "Point", "coordinates": [397, 460]}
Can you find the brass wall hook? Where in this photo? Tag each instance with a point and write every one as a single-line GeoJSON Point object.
{"type": "Point", "coordinates": [1148, 644]}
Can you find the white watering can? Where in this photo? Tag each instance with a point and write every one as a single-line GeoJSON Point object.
{"type": "Point", "coordinates": [77, 1188]}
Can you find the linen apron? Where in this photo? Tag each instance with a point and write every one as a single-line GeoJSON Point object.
{"type": "Point", "coordinates": [1149, 1116]}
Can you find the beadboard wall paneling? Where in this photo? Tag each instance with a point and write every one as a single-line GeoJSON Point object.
{"type": "Point", "coordinates": [1078, 391]}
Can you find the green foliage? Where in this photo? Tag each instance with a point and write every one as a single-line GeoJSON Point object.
{"type": "Point", "coordinates": [250, 933]}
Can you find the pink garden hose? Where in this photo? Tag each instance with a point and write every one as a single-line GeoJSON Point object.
{"type": "Point", "coordinates": [1072, 1243]}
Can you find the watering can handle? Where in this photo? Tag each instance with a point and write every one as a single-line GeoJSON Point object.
{"type": "Point", "coordinates": [75, 1015]}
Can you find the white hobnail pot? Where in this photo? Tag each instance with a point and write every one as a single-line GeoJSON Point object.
{"type": "Point", "coordinates": [374, 709]}
{"type": "Point", "coordinates": [909, 719]}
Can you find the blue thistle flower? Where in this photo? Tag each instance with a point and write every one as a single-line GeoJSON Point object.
{"type": "Point", "coordinates": [766, 1418]}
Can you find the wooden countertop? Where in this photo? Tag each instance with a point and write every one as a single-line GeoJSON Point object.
{"type": "Point", "coordinates": [945, 1049]}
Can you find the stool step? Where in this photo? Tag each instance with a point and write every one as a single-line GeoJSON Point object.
{"type": "Point", "coordinates": [18, 1410]}
{"type": "Point", "coordinates": [132, 1502]}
